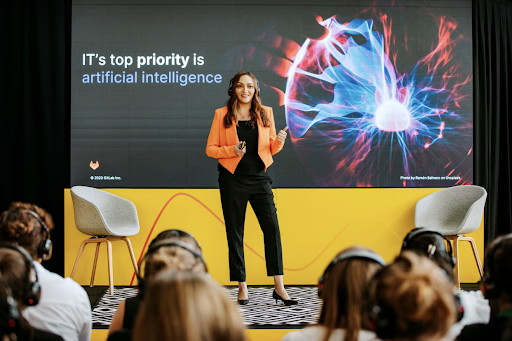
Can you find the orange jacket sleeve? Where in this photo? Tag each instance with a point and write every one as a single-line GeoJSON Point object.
{"type": "Point", "coordinates": [275, 145]}
{"type": "Point", "coordinates": [215, 146]}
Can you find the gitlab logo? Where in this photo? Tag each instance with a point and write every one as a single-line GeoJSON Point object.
{"type": "Point", "coordinates": [94, 165]}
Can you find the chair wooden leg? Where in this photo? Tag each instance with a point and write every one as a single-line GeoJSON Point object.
{"type": "Point", "coordinates": [80, 251]}
{"type": "Point", "coordinates": [132, 255]}
{"type": "Point", "coordinates": [475, 253]}
{"type": "Point", "coordinates": [94, 264]}
{"type": "Point", "coordinates": [110, 270]}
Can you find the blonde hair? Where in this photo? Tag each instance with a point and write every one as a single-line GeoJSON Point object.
{"type": "Point", "coordinates": [418, 297]}
{"type": "Point", "coordinates": [187, 306]}
{"type": "Point", "coordinates": [344, 292]}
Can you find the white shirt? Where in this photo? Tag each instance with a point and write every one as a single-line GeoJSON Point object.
{"type": "Point", "coordinates": [476, 310]}
{"type": "Point", "coordinates": [63, 309]}
{"type": "Point", "coordinates": [317, 333]}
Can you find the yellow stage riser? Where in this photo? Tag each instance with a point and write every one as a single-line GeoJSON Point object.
{"type": "Point", "coordinates": [252, 334]}
{"type": "Point", "coordinates": [315, 225]}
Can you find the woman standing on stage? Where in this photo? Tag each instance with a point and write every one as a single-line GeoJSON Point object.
{"type": "Point", "coordinates": [243, 138]}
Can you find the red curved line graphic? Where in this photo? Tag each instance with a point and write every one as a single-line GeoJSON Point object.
{"type": "Point", "coordinates": [222, 222]}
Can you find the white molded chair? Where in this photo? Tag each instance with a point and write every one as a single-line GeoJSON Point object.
{"type": "Point", "coordinates": [454, 211]}
{"type": "Point", "coordinates": [106, 217]}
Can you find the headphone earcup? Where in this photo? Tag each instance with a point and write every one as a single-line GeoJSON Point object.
{"type": "Point", "coordinates": [383, 322]}
{"type": "Point", "coordinates": [489, 288]}
{"type": "Point", "coordinates": [230, 87]}
{"type": "Point", "coordinates": [45, 249]}
{"type": "Point", "coordinates": [459, 307]}
{"type": "Point", "coordinates": [9, 313]}
{"type": "Point", "coordinates": [33, 294]}
{"type": "Point", "coordinates": [320, 286]}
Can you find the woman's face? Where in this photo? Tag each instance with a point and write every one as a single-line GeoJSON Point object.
{"type": "Point", "coordinates": [244, 89]}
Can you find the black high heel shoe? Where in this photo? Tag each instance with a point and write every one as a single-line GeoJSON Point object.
{"type": "Point", "coordinates": [243, 302]}
{"type": "Point", "coordinates": [276, 296]}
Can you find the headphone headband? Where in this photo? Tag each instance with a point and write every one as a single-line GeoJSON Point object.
{"type": "Point", "coordinates": [153, 248]}
{"type": "Point", "coordinates": [356, 254]}
{"type": "Point", "coordinates": [364, 254]}
{"type": "Point", "coordinates": [174, 233]}
{"type": "Point", "coordinates": [158, 245]}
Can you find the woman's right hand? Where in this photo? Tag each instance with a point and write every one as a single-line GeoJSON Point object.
{"type": "Point", "coordinates": [240, 148]}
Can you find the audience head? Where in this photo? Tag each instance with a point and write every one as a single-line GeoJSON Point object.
{"type": "Point", "coordinates": [180, 235]}
{"type": "Point", "coordinates": [171, 250]}
{"type": "Point", "coordinates": [497, 280]}
{"type": "Point", "coordinates": [432, 244]}
{"type": "Point", "coordinates": [343, 288]}
{"type": "Point", "coordinates": [414, 300]}
{"type": "Point", "coordinates": [27, 226]}
{"type": "Point", "coordinates": [18, 288]}
{"type": "Point", "coordinates": [187, 306]}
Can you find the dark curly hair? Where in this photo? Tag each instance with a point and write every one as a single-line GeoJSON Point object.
{"type": "Point", "coordinates": [19, 227]}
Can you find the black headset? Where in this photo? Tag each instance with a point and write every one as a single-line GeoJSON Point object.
{"type": "Point", "coordinates": [33, 293]}
{"type": "Point", "coordinates": [230, 87]}
{"type": "Point", "coordinates": [10, 315]}
{"type": "Point", "coordinates": [359, 254]}
{"type": "Point", "coordinates": [428, 250]}
{"type": "Point", "coordinates": [383, 319]}
{"type": "Point", "coordinates": [491, 288]}
{"type": "Point", "coordinates": [153, 248]}
{"type": "Point", "coordinates": [45, 248]}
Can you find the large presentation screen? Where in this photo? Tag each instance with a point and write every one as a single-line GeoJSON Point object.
{"type": "Point", "coordinates": [374, 93]}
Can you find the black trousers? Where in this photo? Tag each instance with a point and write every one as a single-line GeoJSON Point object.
{"type": "Point", "coordinates": [235, 191]}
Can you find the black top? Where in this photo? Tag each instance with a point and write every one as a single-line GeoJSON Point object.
{"type": "Point", "coordinates": [488, 332]}
{"type": "Point", "coordinates": [120, 335]}
{"type": "Point", "coordinates": [251, 163]}
{"type": "Point", "coordinates": [131, 308]}
{"type": "Point", "coordinates": [29, 334]}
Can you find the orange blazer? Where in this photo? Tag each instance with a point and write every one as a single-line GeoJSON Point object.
{"type": "Point", "coordinates": [221, 141]}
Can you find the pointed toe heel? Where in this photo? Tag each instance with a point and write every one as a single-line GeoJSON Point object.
{"type": "Point", "coordinates": [277, 297]}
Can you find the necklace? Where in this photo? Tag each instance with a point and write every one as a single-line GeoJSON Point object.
{"type": "Point", "coordinates": [242, 117]}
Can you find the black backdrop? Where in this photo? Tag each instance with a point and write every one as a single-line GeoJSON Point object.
{"type": "Point", "coordinates": [35, 108]}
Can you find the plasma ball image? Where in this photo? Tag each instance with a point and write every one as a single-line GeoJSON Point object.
{"type": "Point", "coordinates": [355, 121]}
{"type": "Point", "coordinates": [392, 116]}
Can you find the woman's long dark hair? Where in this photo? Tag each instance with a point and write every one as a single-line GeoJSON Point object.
{"type": "Point", "coordinates": [344, 295]}
{"type": "Point", "coordinates": [256, 112]}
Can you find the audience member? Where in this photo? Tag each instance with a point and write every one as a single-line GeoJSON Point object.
{"type": "Point", "coordinates": [187, 306]}
{"type": "Point", "coordinates": [433, 244]}
{"type": "Point", "coordinates": [497, 286]}
{"type": "Point", "coordinates": [171, 249]}
{"type": "Point", "coordinates": [64, 308]}
{"type": "Point", "coordinates": [343, 288]}
{"type": "Point", "coordinates": [18, 289]}
{"type": "Point", "coordinates": [413, 300]}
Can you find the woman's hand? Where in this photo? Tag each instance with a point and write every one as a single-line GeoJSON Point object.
{"type": "Point", "coordinates": [240, 148]}
{"type": "Point", "coordinates": [281, 136]}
